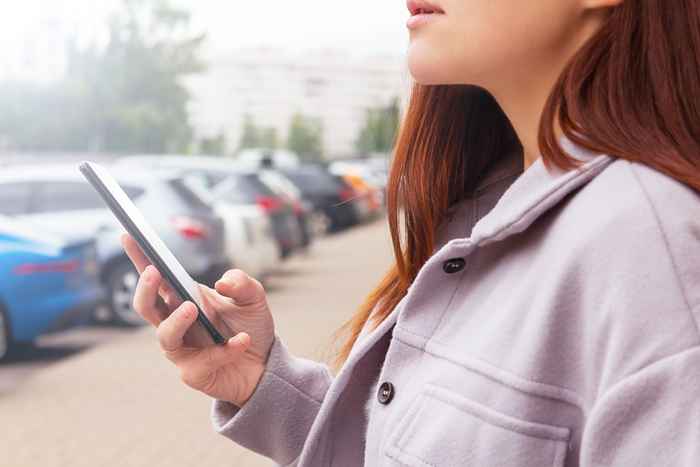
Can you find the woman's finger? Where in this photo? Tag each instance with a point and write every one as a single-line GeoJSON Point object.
{"type": "Point", "coordinates": [133, 251]}
{"type": "Point", "coordinates": [146, 300]}
{"type": "Point", "coordinates": [211, 358]}
{"type": "Point", "coordinates": [172, 299]}
{"type": "Point", "coordinates": [240, 287]}
{"type": "Point", "coordinates": [141, 262]}
{"type": "Point", "coordinates": [171, 331]}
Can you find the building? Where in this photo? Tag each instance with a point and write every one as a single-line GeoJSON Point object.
{"type": "Point", "coordinates": [272, 84]}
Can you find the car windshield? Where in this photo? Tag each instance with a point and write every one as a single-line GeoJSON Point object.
{"type": "Point", "coordinates": [312, 180]}
{"type": "Point", "coordinates": [241, 189]}
{"type": "Point", "coordinates": [189, 194]}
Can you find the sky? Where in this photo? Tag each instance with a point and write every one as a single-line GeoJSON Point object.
{"type": "Point", "coordinates": [30, 29]}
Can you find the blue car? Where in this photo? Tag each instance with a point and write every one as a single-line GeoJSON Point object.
{"type": "Point", "coordinates": [46, 283]}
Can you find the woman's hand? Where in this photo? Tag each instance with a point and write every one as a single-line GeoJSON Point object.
{"type": "Point", "coordinates": [227, 372]}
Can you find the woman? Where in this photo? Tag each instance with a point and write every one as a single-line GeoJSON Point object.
{"type": "Point", "coordinates": [544, 305]}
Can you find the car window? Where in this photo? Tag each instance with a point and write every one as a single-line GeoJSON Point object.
{"type": "Point", "coordinates": [234, 190]}
{"type": "Point", "coordinates": [215, 178]}
{"type": "Point", "coordinates": [66, 196]}
{"type": "Point", "coordinates": [312, 180]}
{"type": "Point", "coordinates": [188, 194]}
{"type": "Point", "coordinates": [199, 183]}
{"type": "Point", "coordinates": [14, 198]}
{"type": "Point", "coordinates": [258, 186]}
{"type": "Point", "coordinates": [133, 192]}
{"type": "Point", "coordinates": [278, 179]}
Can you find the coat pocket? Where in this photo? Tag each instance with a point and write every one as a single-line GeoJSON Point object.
{"type": "Point", "coordinates": [442, 428]}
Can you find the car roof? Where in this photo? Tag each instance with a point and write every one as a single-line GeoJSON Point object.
{"type": "Point", "coordinates": [70, 172]}
{"type": "Point", "coordinates": [223, 164]}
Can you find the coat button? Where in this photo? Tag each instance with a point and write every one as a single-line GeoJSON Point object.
{"type": "Point", "coordinates": [385, 393]}
{"type": "Point", "coordinates": [453, 265]}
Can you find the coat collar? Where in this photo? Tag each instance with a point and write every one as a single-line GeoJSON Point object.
{"type": "Point", "coordinates": [520, 196]}
{"type": "Point", "coordinates": [533, 192]}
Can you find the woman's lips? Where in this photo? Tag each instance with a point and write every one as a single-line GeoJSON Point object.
{"type": "Point", "coordinates": [421, 13]}
{"type": "Point", "coordinates": [416, 7]}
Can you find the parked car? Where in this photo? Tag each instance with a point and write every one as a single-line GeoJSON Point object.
{"type": "Point", "coordinates": [372, 169]}
{"type": "Point", "coordinates": [252, 190]}
{"type": "Point", "coordinates": [370, 195]}
{"type": "Point", "coordinates": [330, 195]}
{"type": "Point", "coordinates": [373, 172]}
{"type": "Point", "coordinates": [303, 208]}
{"type": "Point", "coordinates": [250, 239]}
{"type": "Point", "coordinates": [58, 198]}
{"type": "Point", "coordinates": [47, 283]}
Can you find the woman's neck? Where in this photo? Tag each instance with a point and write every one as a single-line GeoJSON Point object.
{"type": "Point", "coordinates": [523, 98]}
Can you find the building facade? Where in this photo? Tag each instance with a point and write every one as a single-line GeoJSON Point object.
{"type": "Point", "coordinates": [271, 85]}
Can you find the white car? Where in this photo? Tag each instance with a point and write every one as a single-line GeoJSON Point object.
{"type": "Point", "coordinates": [250, 242]}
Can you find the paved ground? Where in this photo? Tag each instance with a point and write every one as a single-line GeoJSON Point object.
{"type": "Point", "coordinates": [120, 403]}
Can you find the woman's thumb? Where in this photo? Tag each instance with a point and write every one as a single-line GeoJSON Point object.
{"type": "Point", "coordinates": [240, 287]}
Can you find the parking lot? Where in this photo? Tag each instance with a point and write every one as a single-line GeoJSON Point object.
{"type": "Point", "coordinates": [104, 395]}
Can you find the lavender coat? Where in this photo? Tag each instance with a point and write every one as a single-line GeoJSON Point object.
{"type": "Point", "coordinates": [569, 338]}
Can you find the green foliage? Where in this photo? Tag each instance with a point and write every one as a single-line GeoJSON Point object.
{"type": "Point", "coordinates": [380, 128]}
{"type": "Point", "coordinates": [123, 97]}
{"type": "Point", "coordinates": [268, 138]}
{"type": "Point", "coordinates": [215, 146]}
{"type": "Point", "coordinates": [250, 137]}
{"type": "Point", "coordinates": [256, 137]}
{"type": "Point", "coordinates": [306, 137]}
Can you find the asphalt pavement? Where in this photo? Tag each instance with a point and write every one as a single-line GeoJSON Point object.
{"type": "Point", "coordinates": [106, 397]}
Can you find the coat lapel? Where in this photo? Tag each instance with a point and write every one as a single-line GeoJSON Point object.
{"type": "Point", "coordinates": [534, 192]}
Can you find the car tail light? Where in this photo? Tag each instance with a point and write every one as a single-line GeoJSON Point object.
{"type": "Point", "coordinates": [298, 208]}
{"type": "Point", "coordinates": [270, 204]}
{"type": "Point", "coordinates": [346, 193]}
{"type": "Point", "coordinates": [54, 266]}
{"type": "Point", "coordinates": [190, 228]}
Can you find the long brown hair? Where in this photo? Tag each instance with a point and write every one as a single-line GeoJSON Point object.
{"type": "Point", "coordinates": [632, 91]}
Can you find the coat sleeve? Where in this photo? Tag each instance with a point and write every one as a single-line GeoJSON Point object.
{"type": "Point", "coordinates": [650, 418]}
{"type": "Point", "coordinates": [276, 420]}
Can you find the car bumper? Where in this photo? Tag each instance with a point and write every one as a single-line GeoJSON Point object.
{"type": "Point", "coordinates": [78, 314]}
{"type": "Point", "coordinates": [55, 315]}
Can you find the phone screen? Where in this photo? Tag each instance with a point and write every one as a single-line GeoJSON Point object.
{"type": "Point", "coordinates": [151, 244]}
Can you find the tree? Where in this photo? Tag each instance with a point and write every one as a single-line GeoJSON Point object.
{"type": "Point", "coordinates": [123, 97]}
{"type": "Point", "coordinates": [306, 137]}
{"type": "Point", "coordinates": [214, 146]}
{"type": "Point", "coordinates": [250, 138]}
{"type": "Point", "coordinates": [268, 138]}
{"type": "Point", "coordinates": [379, 131]}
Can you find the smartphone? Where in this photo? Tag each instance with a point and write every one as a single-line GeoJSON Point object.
{"type": "Point", "coordinates": [152, 246]}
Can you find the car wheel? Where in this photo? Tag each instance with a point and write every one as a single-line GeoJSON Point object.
{"type": "Point", "coordinates": [5, 335]}
{"type": "Point", "coordinates": [121, 284]}
{"type": "Point", "coordinates": [320, 223]}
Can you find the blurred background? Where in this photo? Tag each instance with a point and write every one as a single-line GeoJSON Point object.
{"type": "Point", "coordinates": [252, 135]}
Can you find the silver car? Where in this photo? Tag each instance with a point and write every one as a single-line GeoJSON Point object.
{"type": "Point", "coordinates": [59, 199]}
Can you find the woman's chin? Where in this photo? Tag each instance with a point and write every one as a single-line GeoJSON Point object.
{"type": "Point", "coordinates": [425, 66]}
